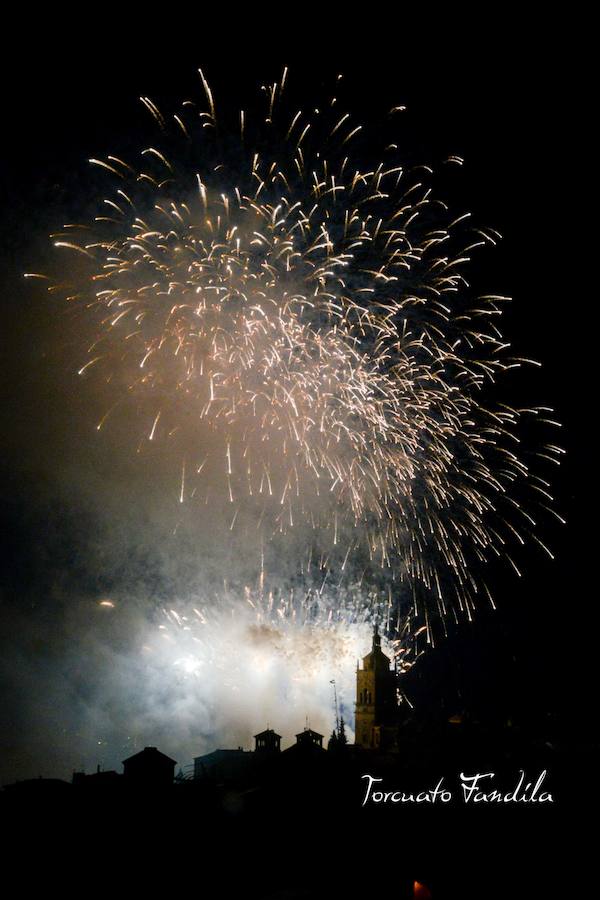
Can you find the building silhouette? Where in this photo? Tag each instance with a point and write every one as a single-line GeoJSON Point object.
{"type": "Point", "coordinates": [226, 765]}
{"type": "Point", "coordinates": [376, 722]}
{"type": "Point", "coordinates": [149, 767]}
{"type": "Point", "coordinates": [267, 742]}
{"type": "Point", "coordinates": [309, 738]}
{"type": "Point", "coordinates": [223, 765]}
{"type": "Point", "coordinates": [309, 744]}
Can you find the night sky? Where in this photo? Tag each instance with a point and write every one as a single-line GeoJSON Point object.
{"type": "Point", "coordinates": [82, 521]}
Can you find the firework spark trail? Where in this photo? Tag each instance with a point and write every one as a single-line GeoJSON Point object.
{"type": "Point", "coordinates": [300, 327]}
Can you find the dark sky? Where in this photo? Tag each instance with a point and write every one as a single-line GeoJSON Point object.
{"type": "Point", "coordinates": [502, 99]}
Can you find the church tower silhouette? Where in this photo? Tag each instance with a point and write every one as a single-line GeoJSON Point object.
{"type": "Point", "coordinates": [376, 724]}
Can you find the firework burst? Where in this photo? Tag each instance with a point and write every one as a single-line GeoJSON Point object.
{"type": "Point", "coordinates": [296, 322]}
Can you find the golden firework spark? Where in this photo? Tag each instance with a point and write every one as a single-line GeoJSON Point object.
{"type": "Point", "coordinates": [303, 326]}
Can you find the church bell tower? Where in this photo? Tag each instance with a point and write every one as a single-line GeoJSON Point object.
{"type": "Point", "coordinates": [376, 722]}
